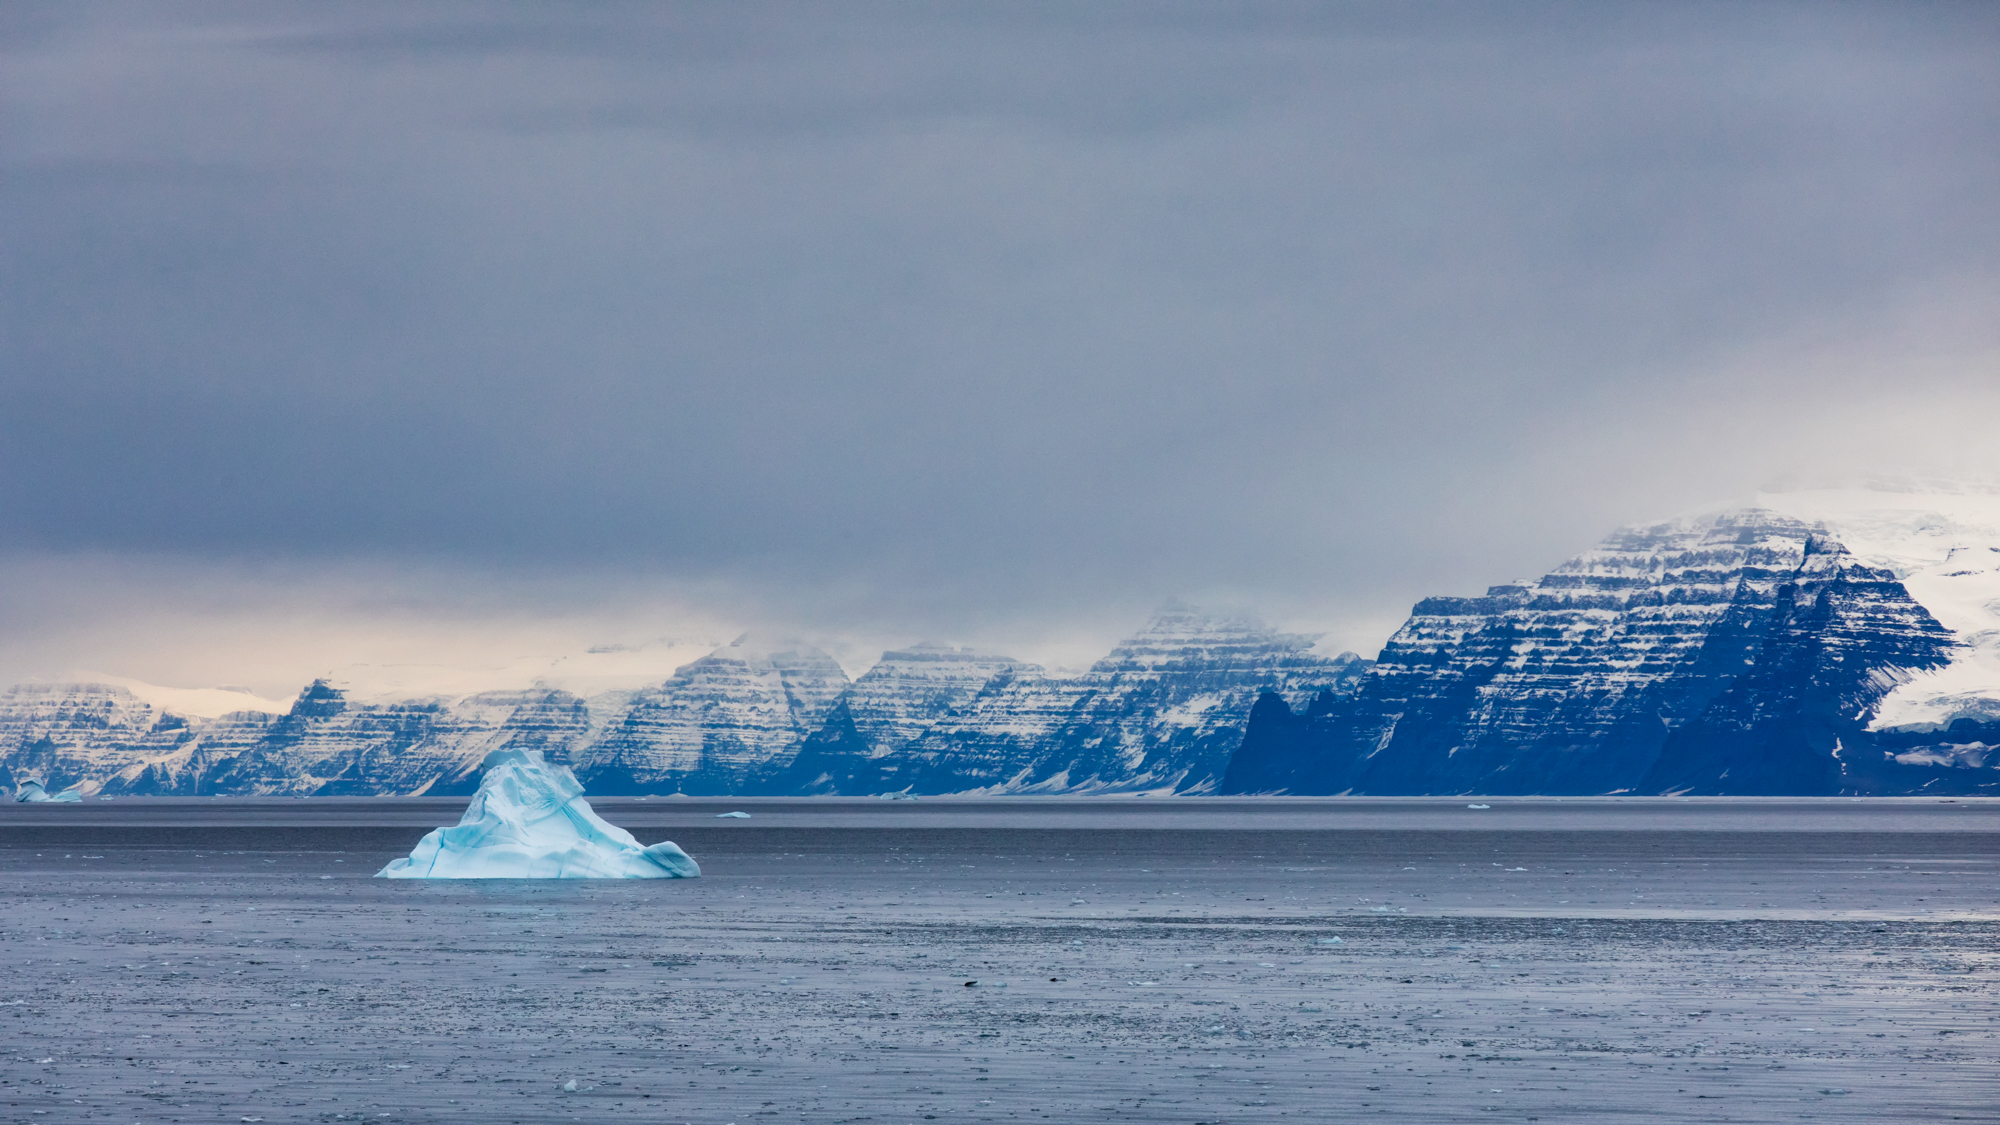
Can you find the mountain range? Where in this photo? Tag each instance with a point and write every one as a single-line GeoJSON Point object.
{"type": "Point", "coordinates": [1812, 642]}
{"type": "Point", "coordinates": [1839, 642]}
{"type": "Point", "coordinates": [1162, 713]}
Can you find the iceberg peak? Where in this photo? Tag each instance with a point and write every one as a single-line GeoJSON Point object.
{"type": "Point", "coordinates": [529, 821]}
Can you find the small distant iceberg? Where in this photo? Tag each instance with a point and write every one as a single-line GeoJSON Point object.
{"type": "Point", "coordinates": [529, 821]}
{"type": "Point", "coordinates": [732, 816]}
{"type": "Point", "coordinates": [33, 792]}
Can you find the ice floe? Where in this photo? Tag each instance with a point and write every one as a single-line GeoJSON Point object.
{"type": "Point", "coordinates": [529, 821]}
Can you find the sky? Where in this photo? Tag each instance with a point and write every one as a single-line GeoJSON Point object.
{"type": "Point", "coordinates": [432, 345]}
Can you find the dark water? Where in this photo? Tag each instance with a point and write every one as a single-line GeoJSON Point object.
{"type": "Point", "coordinates": [1136, 960]}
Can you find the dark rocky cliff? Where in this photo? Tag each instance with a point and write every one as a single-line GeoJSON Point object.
{"type": "Point", "coordinates": [1742, 653]}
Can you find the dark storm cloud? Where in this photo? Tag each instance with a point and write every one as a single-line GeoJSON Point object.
{"type": "Point", "coordinates": [915, 308]}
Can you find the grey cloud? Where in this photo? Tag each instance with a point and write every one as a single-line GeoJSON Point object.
{"type": "Point", "coordinates": [947, 313]}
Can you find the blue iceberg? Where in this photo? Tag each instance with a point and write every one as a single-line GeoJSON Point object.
{"type": "Point", "coordinates": [33, 792]}
{"type": "Point", "coordinates": [529, 821]}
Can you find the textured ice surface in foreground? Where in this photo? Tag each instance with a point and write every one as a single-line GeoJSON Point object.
{"type": "Point", "coordinates": [529, 821]}
{"type": "Point", "coordinates": [33, 793]}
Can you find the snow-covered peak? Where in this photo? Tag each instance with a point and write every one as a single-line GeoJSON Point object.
{"type": "Point", "coordinates": [910, 689]}
{"type": "Point", "coordinates": [1689, 546]}
{"type": "Point", "coordinates": [804, 677]}
{"type": "Point", "coordinates": [1943, 541]}
{"type": "Point", "coordinates": [105, 706]}
{"type": "Point", "coordinates": [738, 709]}
{"type": "Point", "coordinates": [1940, 539]}
{"type": "Point", "coordinates": [1181, 635]}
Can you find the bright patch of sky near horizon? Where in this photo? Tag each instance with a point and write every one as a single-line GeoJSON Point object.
{"type": "Point", "coordinates": [426, 343]}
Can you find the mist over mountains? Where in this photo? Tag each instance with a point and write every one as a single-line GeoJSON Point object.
{"type": "Point", "coordinates": [1162, 713]}
{"type": "Point", "coordinates": [1815, 642]}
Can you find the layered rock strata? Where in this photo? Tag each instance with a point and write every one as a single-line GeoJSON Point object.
{"type": "Point", "coordinates": [327, 746]}
{"type": "Point", "coordinates": [893, 704]}
{"type": "Point", "coordinates": [718, 724]}
{"type": "Point", "coordinates": [83, 733]}
{"type": "Point", "coordinates": [1744, 652]}
{"type": "Point", "coordinates": [1161, 713]}
{"type": "Point", "coordinates": [113, 744]}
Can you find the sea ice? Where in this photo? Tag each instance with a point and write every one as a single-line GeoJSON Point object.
{"type": "Point", "coordinates": [33, 793]}
{"type": "Point", "coordinates": [529, 821]}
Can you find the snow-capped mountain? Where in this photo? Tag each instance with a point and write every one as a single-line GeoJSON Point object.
{"type": "Point", "coordinates": [105, 738]}
{"type": "Point", "coordinates": [737, 713]}
{"type": "Point", "coordinates": [60, 734]}
{"type": "Point", "coordinates": [1161, 713]}
{"type": "Point", "coordinates": [1811, 643]}
{"type": "Point", "coordinates": [1943, 544]}
{"type": "Point", "coordinates": [893, 704]}
{"type": "Point", "coordinates": [328, 746]}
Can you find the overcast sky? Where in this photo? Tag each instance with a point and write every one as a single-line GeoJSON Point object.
{"type": "Point", "coordinates": [339, 333]}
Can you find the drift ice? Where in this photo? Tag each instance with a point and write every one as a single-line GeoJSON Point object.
{"type": "Point", "coordinates": [529, 821]}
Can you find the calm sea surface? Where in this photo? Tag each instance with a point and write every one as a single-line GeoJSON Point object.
{"type": "Point", "coordinates": [1186, 960]}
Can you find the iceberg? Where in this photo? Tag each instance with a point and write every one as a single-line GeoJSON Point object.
{"type": "Point", "coordinates": [32, 792]}
{"type": "Point", "coordinates": [529, 821]}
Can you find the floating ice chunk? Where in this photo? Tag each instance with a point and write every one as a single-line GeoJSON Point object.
{"type": "Point", "coordinates": [1479, 806]}
{"type": "Point", "coordinates": [529, 821]}
{"type": "Point", "coordinates": [32, 792]}
{"type": "Point", "coordinates": [1330, 941]}
{"type": "Point", "coordinates": [732, 816]}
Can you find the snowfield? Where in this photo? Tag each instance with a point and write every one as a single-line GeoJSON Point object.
{"type": "Point", "coordinates": [1943, 542]}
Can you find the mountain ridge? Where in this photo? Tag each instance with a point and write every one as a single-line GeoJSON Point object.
{"type": "Point", "coordinates": [1161, 710]}
{"type": "Point", "coordinates": [1745, 651]}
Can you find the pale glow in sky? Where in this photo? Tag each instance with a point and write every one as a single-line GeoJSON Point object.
{"type": "Point", "coordinates": [418, 345]}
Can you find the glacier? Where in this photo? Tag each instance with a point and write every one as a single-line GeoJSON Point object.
{"type": "Point", "coordinates": [529, 821]}
{"type": "Point", "coordinates": [1942, 541]}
